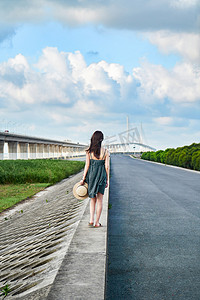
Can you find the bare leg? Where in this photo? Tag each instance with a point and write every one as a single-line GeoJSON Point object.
{"type": "Point", "coordinates": [92, 209]}
{"type": "Point", "coordinates": [99, 208]}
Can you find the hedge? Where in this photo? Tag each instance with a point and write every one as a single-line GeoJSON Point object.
{"type": "Point", "coordinates": [186, 157]}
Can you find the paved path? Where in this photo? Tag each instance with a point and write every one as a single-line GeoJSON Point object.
{"type": "Point", "coordinates": [153, 232]}
{"type": "Point", "coordinates": [82, 273]}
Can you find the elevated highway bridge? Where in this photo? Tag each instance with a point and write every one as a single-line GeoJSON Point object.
{"type": "Point", "coordinates": [28, 147]}
{"type": "Point", "coordinates": [18, 146]}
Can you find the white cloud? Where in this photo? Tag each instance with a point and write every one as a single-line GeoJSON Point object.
{"type": "Point", "coordinates": [77, 64]}
{"type": "Point", "coordinates": [60, 118]}
{"type": "Point", "coordinates": [62, 78]}
{"type": "Point", "coordinates": [185, 44]}
{"type": "Point", "coordinates": [183, 3]}
{"type": "Point", "coordinates": [53, 62]}
{"type": "Point", "coordinates": [12, 12]}
{"type": "Point", "coordinates": [164, 120]}
{"type": "Point", "coordinates": [82, 110]}
{"type": "Point", "coordinates": [171, 122]}
{"type": "Point", "coordinates": [85, 108]}
{"type": "Point", "coordinates": [181, 84]}
{"type": "Point", "coordinates": [14, 75]}
{"type": "Point", "coordinates": [77, 15]}
{"type": "Point", "coordinates": [61, 91]}
{"type": "Point", "coordinates": [96, 79]}
{"type": "Point", "coordinates": [135, 15]}
{"type": "Point", "coordinates": [116, 72]}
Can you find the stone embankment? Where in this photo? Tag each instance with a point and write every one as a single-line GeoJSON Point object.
{"type": "Point", "coordinates": [47, 250]}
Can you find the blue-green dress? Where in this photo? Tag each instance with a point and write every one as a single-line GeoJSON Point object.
{"type": "Point", "coordinates": [96, 177]}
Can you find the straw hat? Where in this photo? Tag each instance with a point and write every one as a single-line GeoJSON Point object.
{"type": "Point", "coordinates": [80, 191]}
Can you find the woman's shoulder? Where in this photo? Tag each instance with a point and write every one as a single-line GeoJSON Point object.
{"type": "Point", "coordinates": [87, 154]}
{"type": "Point", "coordinates": [104, 152]}
{"type": "Point", "coordinates": [107, 152]}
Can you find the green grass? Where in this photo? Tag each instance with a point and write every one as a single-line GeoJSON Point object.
{"type": "Point", "coordinates": [37, 170]}
{"type": "Point", "coordinates": [20, 179]}
{"type": "Point", "coordinates": [10, 194]}
{"type": "Point", "coordinates": [5, 290]}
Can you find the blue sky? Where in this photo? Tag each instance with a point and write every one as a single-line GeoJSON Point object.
{"type": "Point", "coordinates": [68, 68]}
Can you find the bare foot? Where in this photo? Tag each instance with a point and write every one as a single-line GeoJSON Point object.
{"type": "Point", "coordinates": [98, 225]}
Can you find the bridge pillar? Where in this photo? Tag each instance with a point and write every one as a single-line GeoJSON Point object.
{"type": "Point", "coordinates": [68, 152]}
{"type": "Point", "coordinates": [73, 152]}
{"type": "Point", "coordinates": [13, 150]}
{"type": "Point", "coordinates": [1, 150]}
{"type": "Point", "coordinates": [60, 151]}
{"type": "Point", "coordinates": [40, 151]}
{"type": "Point", "coordinates": [64, 152]}
{"type": "Point", "coordinates": [23, 150]}
{"type": "Point", "coordinates": [32, 151]}
{"type": "Point", "coordinates": [80, 151]}
{"type": "Point", "coordinates": [55, 151]}
{"type": "Point", "coordinates": [77, 151]}
{"type": "Point", "coordinates": [46, 151]}
{"type": "Point", "coordinates": [51, 151]}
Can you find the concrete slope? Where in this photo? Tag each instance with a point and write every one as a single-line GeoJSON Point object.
{"type": "Point", "coordinates": [34, 238]}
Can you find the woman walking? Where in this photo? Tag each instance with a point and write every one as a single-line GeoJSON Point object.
{"type": "Point", "coordinates": [96, 174]}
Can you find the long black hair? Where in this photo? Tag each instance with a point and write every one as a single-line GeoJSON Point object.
{"type": "Point", "coordinates": [95, 143]}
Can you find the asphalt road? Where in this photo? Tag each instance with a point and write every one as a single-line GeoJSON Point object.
{"type": "Point", "coordinates": [153, 232]}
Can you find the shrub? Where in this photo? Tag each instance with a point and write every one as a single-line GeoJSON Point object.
{"type": "Point", "coordinates": [146, 155]}
{"type": "Point", "coordinates": [196, 160]}
{"type": "Point", "coordinates": [159, 155]}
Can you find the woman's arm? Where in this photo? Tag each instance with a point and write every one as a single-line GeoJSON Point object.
{"type": "Point", "coordinates": [87, 164]}
{"type": "Point", "coordinates": [107, 166]}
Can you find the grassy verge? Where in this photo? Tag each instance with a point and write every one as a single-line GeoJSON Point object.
{"type": "Point", "coordinates": [14, 193]}
{"type": "Point", "coordinates": [20, 179]}
{"type": "Point", "coordinates": [37, 170]}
